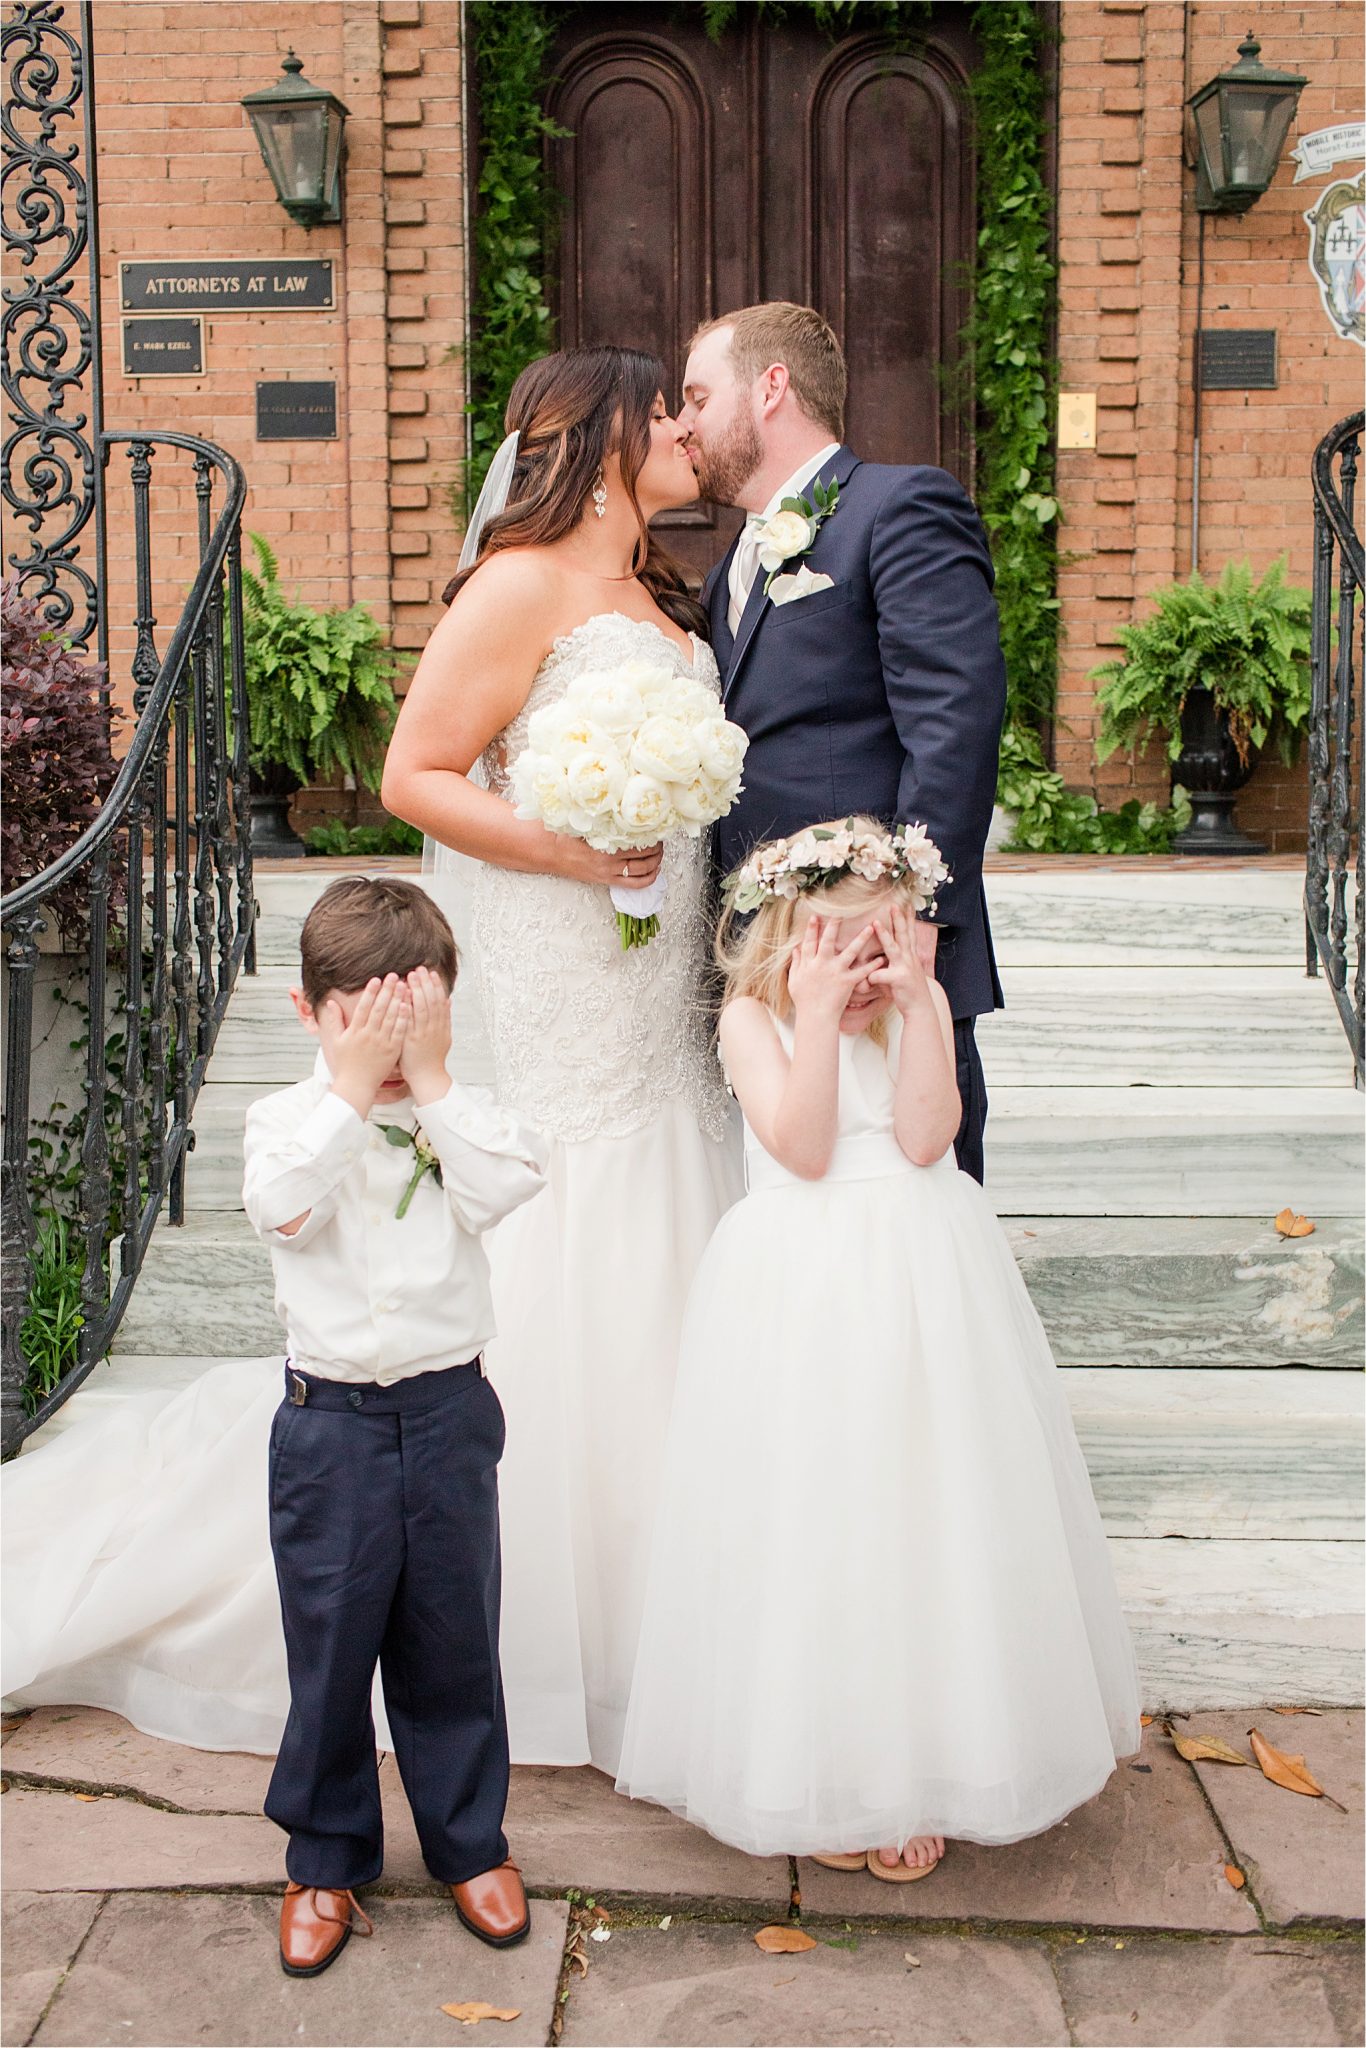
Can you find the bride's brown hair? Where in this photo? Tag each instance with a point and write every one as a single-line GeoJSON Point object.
{"type": "Point", "coordinates": [571, 410]}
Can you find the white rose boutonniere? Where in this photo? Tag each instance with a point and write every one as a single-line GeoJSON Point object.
{"type": "Point", "coordinates": [426, 1161]}
{"type": "Point", "coordinates": [784, 588]}
{"type": "Point", "coordinates": [793, 528]}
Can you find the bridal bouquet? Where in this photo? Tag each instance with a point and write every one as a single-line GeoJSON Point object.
{"type": "Point", "coordinates": [625, 757]}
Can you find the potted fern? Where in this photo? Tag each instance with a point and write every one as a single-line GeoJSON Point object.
{"type": "Point", "coordinates": [1222, 669]}
{"type": "Point", "coordinates": [320, 699]}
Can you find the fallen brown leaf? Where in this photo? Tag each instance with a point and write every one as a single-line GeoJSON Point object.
{"type": "Point", "coordinates": [1205, 1749]}
{"type": "Point", "coordinates": [89, 1798]}
{"type": "Point", "coordinates": [1291, 1225]}
{"type": "Point", "coordinates": [1289, 1772]}
{"type": "Point", "coordinates": [1145, 1720]}
{"type": "Point", "coordinates": [1317, 1712]}
{"type": "Point", "coordinates": [1234, 1876]}
{"type": "Point", "coordinates": [470, 2015]}
{"type": "Point", "coordinates": [783, 1941]}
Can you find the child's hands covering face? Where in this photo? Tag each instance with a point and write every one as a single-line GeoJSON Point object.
{"type": "Point", "coordinates": [903, 976]}
{"type": "Point", "coordinates": [363, 1051]}
{"type": "Point", "coordinates": [822, 975]}
{"type": "Point", "coordinates": [428, 1037]}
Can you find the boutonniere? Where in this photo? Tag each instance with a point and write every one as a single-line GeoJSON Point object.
{"type": "Point", "coordinates": [793, 528]}
{"type": "Point", "coordinates": [427, 1162]}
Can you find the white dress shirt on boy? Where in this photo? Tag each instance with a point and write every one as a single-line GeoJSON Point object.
{"type": "Point", "coordinates": [745, 561]}
{"type": "Point", "coordinates": [365, 1295]}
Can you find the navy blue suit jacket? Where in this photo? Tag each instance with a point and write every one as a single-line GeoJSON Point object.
{"type": "Point", "coordinates": [884, 693]}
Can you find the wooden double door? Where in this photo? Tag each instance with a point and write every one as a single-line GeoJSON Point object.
{"type": "Point", "coordinates": [772, 163]}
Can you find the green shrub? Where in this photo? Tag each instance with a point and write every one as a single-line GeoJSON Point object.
{"type": "Point", "coordinates": [392, 837]}
{"type": "Point", "coordinates": [1050, 818]}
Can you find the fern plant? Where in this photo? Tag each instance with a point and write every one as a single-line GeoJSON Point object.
{"type": "Point", "coordinates": [1246, 642]}
{"type": "Point", "coordinates": [320, 699]}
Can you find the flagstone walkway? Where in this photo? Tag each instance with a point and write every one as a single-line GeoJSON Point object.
{"type": "Point", "coordinates": [141, 1887]}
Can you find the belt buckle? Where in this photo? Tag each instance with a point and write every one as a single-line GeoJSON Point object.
{"type": "Point", "coordinates": [298, 1389]}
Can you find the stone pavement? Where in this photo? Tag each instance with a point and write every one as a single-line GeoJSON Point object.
{"type": "Point", "coordinates": [141, 1884]}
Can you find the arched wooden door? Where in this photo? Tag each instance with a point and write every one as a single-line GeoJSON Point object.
{"type": "Point", "coordinates": [774, 163]}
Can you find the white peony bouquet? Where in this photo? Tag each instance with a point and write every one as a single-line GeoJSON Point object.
{"type": "Point", "coordinates": [625, 757]}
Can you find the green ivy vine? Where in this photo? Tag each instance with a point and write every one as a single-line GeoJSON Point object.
{"type": "Point", "coordinates": [510, 318]}
{"type": "Point", "coordinates": [1007, 367]}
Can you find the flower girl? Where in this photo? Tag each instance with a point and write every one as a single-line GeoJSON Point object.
{"type": "Point", "coordinates": [880, 1609]}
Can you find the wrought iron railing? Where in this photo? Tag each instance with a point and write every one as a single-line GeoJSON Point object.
{"type": "Point", "coordinates": [166, 917]}
{"type": "Point", "coordinates": [1335, 940]}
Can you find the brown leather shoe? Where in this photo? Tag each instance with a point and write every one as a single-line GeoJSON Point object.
{"type": "Point", "coordinates": [494, 1906]}
{"type": "Point", "coordinates": [315, 1926]}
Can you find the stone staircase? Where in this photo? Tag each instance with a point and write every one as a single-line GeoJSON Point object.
{"type": "Point", "coordinates": [1164, 1081]}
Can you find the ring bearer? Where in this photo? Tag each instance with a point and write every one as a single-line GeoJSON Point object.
{"type": "Point", "coordinates": [371, 1183]}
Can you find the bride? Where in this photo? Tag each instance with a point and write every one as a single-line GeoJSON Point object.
{"type": "Point", "coordinates": [138, 1568]}
{"type": "Point", "coordinates": [605, 1051]}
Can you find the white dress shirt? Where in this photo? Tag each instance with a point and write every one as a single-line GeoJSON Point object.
{"type": "Point", "coordinates": [745, 561]}
{"type": "Point", "coordinates": [363, 1294]}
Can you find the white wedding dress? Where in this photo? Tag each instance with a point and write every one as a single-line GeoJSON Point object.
{"type": "Point", "coordinates": [880, 1602]}
{"type": "Point", "coordinates": [137, 1562]}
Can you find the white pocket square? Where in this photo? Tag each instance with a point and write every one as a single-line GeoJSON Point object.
{"type": "Point", "coordinates": [786, 589]}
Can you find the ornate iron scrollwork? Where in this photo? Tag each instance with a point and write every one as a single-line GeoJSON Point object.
{"type": "Point", "coordinates": [50, 469]}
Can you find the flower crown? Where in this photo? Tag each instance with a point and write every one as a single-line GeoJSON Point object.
{"type": "Point", "coordinates": [825, 854]}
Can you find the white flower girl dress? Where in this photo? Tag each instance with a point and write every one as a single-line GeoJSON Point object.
{"type": "Point", "coordinates": [879, 1602]}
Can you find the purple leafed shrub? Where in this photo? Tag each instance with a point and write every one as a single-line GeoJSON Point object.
{"type": "Point", "coordinates": [55, 753]}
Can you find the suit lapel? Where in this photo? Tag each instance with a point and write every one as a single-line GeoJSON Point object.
{"type": "Point", "coordinates": [718, 606]}
{"type": "Point", "coordinates": [839, 469]}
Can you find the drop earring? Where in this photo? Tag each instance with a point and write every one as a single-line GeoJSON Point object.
{"type": "Point", "coordinates": [600, 496]}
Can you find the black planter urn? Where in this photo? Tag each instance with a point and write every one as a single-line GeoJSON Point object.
{"type": "Point", "coordinates": [273, 789]}
{"type": "Point", "coordinates": [1210, 772]}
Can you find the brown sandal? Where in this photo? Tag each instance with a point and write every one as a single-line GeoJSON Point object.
{"type": "Point", "coordinates": [900, 1873]}
{"type": "Point", "coordinates": [842, 1862]}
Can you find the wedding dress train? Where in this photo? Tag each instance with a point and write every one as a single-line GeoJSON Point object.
{"type": "Point", "coordinates": [138, 1571]}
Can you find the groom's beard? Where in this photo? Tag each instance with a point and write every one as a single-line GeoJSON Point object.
{"type": "Point", "coordinates": [726, 466]}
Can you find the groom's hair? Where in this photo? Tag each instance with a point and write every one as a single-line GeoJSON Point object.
{"type": "Point", "coordinates": [367, 925]}
{"type": "Point", "coordinates": [797, 336]}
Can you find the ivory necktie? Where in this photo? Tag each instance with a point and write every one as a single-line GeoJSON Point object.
{"type": "Point", "coordinates": [744, 565]}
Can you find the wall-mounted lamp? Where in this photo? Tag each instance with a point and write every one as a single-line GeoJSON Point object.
{"type": "Point", "coordinates": [299, 127]}
{"type": "Point", "coordinates": [1242, 118]}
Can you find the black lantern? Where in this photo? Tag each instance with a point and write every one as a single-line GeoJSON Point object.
{"type": "Point", "coordinates": [299, 128]}
{"type": "Point", "coordinates": [1241, 121]}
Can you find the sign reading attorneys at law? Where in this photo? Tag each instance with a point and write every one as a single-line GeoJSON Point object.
{"type": "Point", "coordinates": [268, 284]}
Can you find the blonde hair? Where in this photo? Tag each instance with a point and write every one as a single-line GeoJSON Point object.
{"type": "Point", "coordinates": [797, 337]}
{"type": "Point", "coordinates": [755, 952]}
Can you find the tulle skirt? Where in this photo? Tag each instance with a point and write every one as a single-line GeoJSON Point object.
{"type": "Point", "coordinates": [879, 1600]}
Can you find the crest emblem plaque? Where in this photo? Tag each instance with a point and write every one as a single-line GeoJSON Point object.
{"type": "Point", "coordinates": [1337, 255]}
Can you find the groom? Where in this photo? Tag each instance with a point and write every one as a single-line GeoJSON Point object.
{"type": "Point", "coordinates": [872, 678]}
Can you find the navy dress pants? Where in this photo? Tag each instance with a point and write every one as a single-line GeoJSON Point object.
{"type": "Point", "coordinates": [972, 1093]}
{"type": "Point", "coordinates": [384, 1525]}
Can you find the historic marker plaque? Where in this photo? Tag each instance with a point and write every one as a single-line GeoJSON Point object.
{"type": "Point", "coordinates": [1238, 358]}
{"type": "Point", "coordinates": [164, 348]}
{"type": "Point", "coordinates": [274, 284]}
{"type": "Point", "coordinates": [296, 412]}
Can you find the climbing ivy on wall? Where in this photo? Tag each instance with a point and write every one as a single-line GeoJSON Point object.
{"type": "Point", "coordinates": [1007, 366]}
{"type": "Point", "coordinates": [510, 322]}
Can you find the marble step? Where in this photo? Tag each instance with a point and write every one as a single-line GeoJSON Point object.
{"type": "Point", "coordinates": [1126, 1291]}
{"type": "Point", "coordinates": [1200, 1025]}
{"type": "Point", "coordinates": [1223, 1622]}
{"type": "Point", "coordinates": [1223, 1454]}
{"type": "Point", "coordinates": [1101, 1152]}
{"type": "Point", "coordinates": [1229, 1623]}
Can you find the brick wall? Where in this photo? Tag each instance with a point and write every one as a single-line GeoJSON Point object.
{"type": "Point", "coordinates": [362, 518]}
{"type": "Point", "coordinates": [1127, 313]}
{"type": "Point", "coordinates": [366, 517]}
